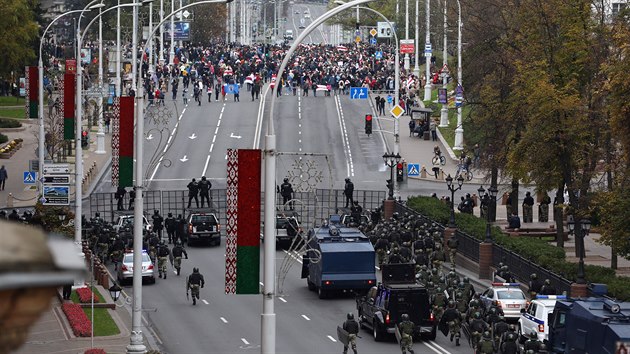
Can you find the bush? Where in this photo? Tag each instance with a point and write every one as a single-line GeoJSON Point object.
{"type": "Point", "coordinates": [95, 351]}
{"type": "Point", "coordinates": [81, 325]}
{"type": "Point", "coordinates": [3, 138]}
{"type": "Point", "coordinates": [9, 123]}
{"type": "Point", "coordinates": [538, 251]}
{"type": "Point", "coordinates": [85, 295]}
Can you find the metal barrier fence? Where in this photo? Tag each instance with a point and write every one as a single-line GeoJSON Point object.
{"type": "Point", "coordinates": [522, 268]}
{"type": "Point", "coordinates": [311, 207]}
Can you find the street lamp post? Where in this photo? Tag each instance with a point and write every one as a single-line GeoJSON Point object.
{"type": "Point", "coordinates": [581, 228]}
{"type": "Point", "coordinates": [100, 135]}
{"type": "Point", "coordinates": [40, 68]}
{"type": "Point", "coordinates": [490, 198]}
{"type": "Point", "coordinates": [427, 54]}
{"type": "Point", "coordinates": [444, 110]}
{"type": "Point", "coordinates": [406, 60]}
{"type": "Point", "coordinates": [453, 189]}
{"type": "Point", "coordinates": [78, 169]}
{"type": "Point", "coordinates": [391, 160]}
{"type": "Point", "coordinates": [416, 68]}
{"type": "Point", "coordinates": [268, 317]}
{"type": "Point", "coordinates": [459, 131]}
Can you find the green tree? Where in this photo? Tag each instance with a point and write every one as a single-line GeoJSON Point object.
{"type": "Point", "coordinates": [18, 31]}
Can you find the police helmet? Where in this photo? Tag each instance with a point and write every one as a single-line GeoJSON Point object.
{"type": "Point", "coordinates": [533, 336]}
{"type": "Point", "coordinates": [347, 179]}
{"type": "Point", "coordinates": [350, 316]}
{"type": "Point", "coordinates": [170, 214]}
{"type": "Point", "coordinates": [501, 318]}
{"type": "Point", "coordinates": [430, 284]}
{"type": "Point", "coordinates": [195, 270]}
{"type": "Point", "coordinates": [486, 335]}
{"type": "Point", "coordinates": [533, 276]}
{"type": "Point", "coordinates": [154, 211]}
{"type": "Point", "coordinates": [177, 243]}
{"type": "Point", "coordinates": [203, 178]}
{"type": "Point", "coordinates": [466, 280]}
{"type": "Point", "coordinates": [477, 315]}
{"type": "Point", "coordinates": [512, 328]}
{"type": "Point", "coordinates": [404, 317]}
{"type": "Point", "coordinates": [451, 303]}
{"type": "Point", "coordinates": [286, 180]}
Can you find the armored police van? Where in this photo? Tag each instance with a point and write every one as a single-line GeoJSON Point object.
{"type": "Point", "coordinates": [338, 259]}
{"type": "Point", "coordinates": [591, 325]}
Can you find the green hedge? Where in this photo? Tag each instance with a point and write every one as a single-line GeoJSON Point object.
{"type": "Point", "coordinates": [9, 123]}
{"type": "Point", "coordinates": [538, 251]}
{"type": "Point", "coordinates": [3, 138]}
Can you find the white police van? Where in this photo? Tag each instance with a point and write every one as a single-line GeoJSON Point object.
{"type": "Point", "coordinates": [537, 316]}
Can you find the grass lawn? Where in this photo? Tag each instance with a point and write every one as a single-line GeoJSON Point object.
{"type": "Point", "coordinates": [104, 324]}
{"type": "Point", "coordinates": [17, 113]}
{"type": "Point", "coordinates": [11, 101]}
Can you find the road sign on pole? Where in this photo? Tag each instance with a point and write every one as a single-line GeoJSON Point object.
{"type": "Point", "coordinates": [373, 32]}
{"type": "Point", "coordinates": [397, 111]}
{"type": "Point", "coordinates": [373, 41]}
{"type": "Point", "coordinates": [384, 30]}
{"type": "Point", "coordinates": [407, 46]}
{"type": "Point", "coordinates": [358, 93]}
{"type": "Point", "coordinates": [413, 169]}
{"type": "Point", "coordinates": [30, 177]}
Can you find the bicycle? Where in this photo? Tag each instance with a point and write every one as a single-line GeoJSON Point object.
{"type": "Point", "coordinates": [439, 159]}
{"type": "Point", "coordinates": [464, 172]}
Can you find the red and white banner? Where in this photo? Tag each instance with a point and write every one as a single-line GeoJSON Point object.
{"type": "Point", "coordinates": [407, 46]}
{"type": "Point", "coordinates": [341, 48]}
{"type": "Point", "coordinates": [273, 81]}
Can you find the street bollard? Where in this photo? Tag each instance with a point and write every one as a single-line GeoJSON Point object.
{"type": "Point", "coordinates": [10, 200]}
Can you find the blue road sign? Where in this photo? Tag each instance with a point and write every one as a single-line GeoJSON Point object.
{"type": "Point", "coordinates": [30, 177]}
{"type": "Point", "coordinates": [358, 93]}
{"type": "Point", "coordinates": [373, 41]}
{"type": "Point", "coordinates": [413, 169]}
{"type": "Point", "coordinates": [378, 55]}
{"type": "Point", "coordinates": [459, 96]}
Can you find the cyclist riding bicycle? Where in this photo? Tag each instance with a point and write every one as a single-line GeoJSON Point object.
{"type": "Point", "coordinates": [464, 164]}
{"type": "Point", "coordinates": [436, 151]}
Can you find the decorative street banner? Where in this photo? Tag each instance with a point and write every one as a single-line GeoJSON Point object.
{"type": "Point", "coordinates": [242, 267]}
{"type": "Point", "coordinates": [115, 123]}
{"type": "Point", "coordinates": [69, 93]}
{"type": "Point", "coordinates": [32, 92]}
{"type": "Point", "coordinates": [125, 159]}
{"type": "Point", "coordinates": [442, 96]}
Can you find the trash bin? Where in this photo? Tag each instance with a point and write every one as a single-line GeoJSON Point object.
{"type": "Point", "coordinates": [427, 135]}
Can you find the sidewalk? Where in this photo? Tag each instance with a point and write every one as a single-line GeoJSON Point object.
{"type": "Point", "coordinates": [24, 195]}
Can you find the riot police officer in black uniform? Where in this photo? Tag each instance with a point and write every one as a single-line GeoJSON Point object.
{"type": "Point", "coordinates": [348, 191]}
{"type": "Point", "coordinates": [204, 190]}
{"type": "Point", "coordinates": [286, 191]}
{"type": "Point", "coordinates": [171, 226]}
{"type": "Point", "coordinates": [158, 225]}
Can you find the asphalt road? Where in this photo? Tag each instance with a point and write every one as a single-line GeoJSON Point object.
{"type": "Point", "coordinates": [194, 141]}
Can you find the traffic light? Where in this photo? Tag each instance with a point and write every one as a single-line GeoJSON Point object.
{"type": "Point", "coordinates": [399, 172]}
{"type": "Point", "coordinates": [84, 139]}
{"type": "Point", "coordinates": [368, 124]}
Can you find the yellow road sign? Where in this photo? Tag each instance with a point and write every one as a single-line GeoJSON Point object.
{"type": "Point", "coordinates": [373, 32]}
{"type": "Point", "coordinates": [397, 111]}
{"type": "Point", "coordinates": [357, 39]}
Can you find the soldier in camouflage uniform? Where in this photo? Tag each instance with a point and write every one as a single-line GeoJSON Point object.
{"type": "Point", "coordinates": [438, 256]}
{"type": "Point", "coordinates": [406, 334]}
{"type": "Point", "coordinates": [194, 282]}
{"type": "Point", "coordinates": [454, 319]}
{"type": "Point", "coordinates": [176, 256]}
{"type": "Point", "coordinates": [452, 244]}
{"type": "Point", "coordinates": [485, 345]}
{"type": "Point", "coordinates": [163, 254]}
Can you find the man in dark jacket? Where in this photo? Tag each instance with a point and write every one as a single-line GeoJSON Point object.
{"type": "Point", "coordinates": [171, 227]}
{"type": "Point", "coordinates": [193, 190]}
{"type": "Point", "coordinates": [158, 225]}
{"type": "Point", "coordinates": [286, 191]}
{"type": "Point", "coordinates": [352, 327]}
{"type": "Point", "coordinates": [348, 191]}
{"type": "Point", "coordinates": [204, 190]}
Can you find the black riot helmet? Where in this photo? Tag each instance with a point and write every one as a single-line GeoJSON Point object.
{"type": "Point", "coordinates": [350, 316]}
{"type": "Point", "coordinates": [195, 270]}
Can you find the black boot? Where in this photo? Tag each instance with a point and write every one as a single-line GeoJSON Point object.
{"type": "Point", "coordinates": [457, 342]}
{"type": "Point", "coordinates": [178, 270]}
{"type": "Point", "coordinates": [194, 301]}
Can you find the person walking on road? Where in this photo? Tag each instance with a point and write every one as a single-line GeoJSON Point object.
{"type": "Point", "coordinates": [204, 190]}
{"type": "Point", "coordinates": [352, 327]}
{"type": "Point", "coordinates": [163, 255]}
{"type": "Point", "coordinates": [193, 190]}
{"type": "Point", "coordinates": [176, 256]}
{"type": "Point", "coordinates": [158, 221]}
{"type": "Point", "coordinates": [406, 334]}
{"type": "Point", "coordinates": [194, 283]}
{"type": "Point", "coordinates": [348, 191]}
{"type": "Point", "coordinates": [3, 177]}
{"type": "Point", "coordinates": [171, 227]}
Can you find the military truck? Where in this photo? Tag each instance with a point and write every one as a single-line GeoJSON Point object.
{"type": "Point", "coordinates": [590, 325]}
{"type": "Point", "coordinates": [380, 310]}
{"type": "Point", "coordinates": [338, 259]}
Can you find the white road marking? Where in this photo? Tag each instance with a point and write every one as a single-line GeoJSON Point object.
{"type": "Point", "coordinates": [204, 301]}
{"type": "Point", "coordinates": [436, 348]}
{"type": "Point", "coordinates": [168, 143]}
{"type": "Point", "coordinates": [344, 137]}
{"type": "Point", "coordinates": [245, 341]}
{"type": "Point", "coordinates": [439, 347]}
{"type": "Point", "coordinates": [259, 119]}
{"type": "Point", "coordinates": [282, 299]}
{"type": "Point", "coordinates": [223, 319]}
{"type": "Point", "coordinates": [332, 339]}
{"type": "Point", "coordinates": [214, 138]}
{"type": "Point", "coordinates": [306, 318]}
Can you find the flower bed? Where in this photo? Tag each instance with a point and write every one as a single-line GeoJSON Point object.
{"type": "Point", "coordinates": [95, 351]}
{"type": "Point", "coordinates": [10, 148]}
{"type": "Point", "coordinates": [86, 294]}
{"type": "Point", "coordinates": [81, 325]}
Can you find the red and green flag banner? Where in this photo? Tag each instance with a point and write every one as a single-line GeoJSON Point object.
{"type": "Point", "coordinates": [242, 255]}
{"type": "Point", "coordinates": [125, 142]}
{"type": "Point", "coordinates": [69, 93]}
{"type": "Point", "coordinates": [32, 92]}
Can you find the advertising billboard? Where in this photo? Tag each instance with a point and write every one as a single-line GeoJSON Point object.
{"type": "Point", "coordinates": [182, 31]}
